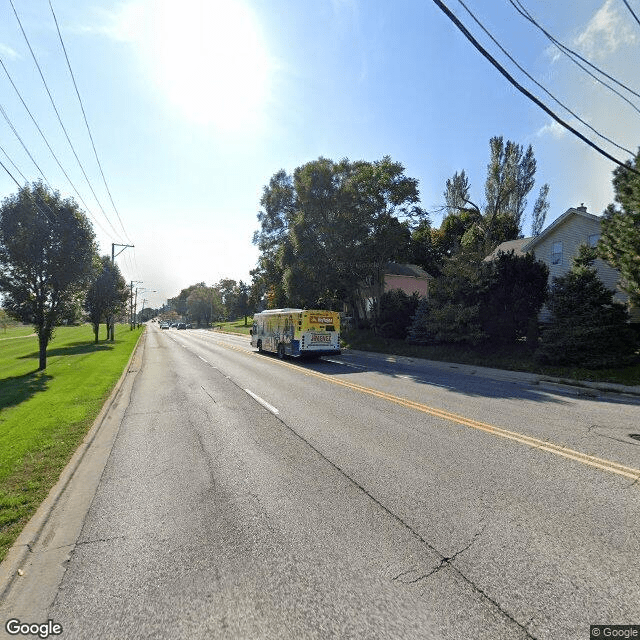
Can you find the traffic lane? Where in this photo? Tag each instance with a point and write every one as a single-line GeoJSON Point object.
{"type": "Point", "coordinates": [601, 427]}
{"type": "Point", "coordinates": [605, 426]}
{"type": "Point", "coordinates": [214, 520]}
{"type": "Point", "coordinates": [527, 512]}
{"type": "Point", "coordinates": [561, 433]}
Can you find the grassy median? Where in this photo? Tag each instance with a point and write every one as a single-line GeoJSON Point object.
{"type": "Point", "coordinates": [44, 415]}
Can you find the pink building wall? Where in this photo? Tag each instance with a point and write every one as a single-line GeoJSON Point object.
{"type": "Point", "coordinates": [408, 284]}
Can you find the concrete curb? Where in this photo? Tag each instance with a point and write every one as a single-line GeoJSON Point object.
{"type": "Point", "coordinates": [30, 535]}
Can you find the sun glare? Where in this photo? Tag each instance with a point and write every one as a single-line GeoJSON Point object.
{"type": "Point", "coordinates": [209, 59]}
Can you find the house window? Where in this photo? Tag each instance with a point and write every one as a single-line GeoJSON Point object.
{"type": "Point", "coordinates": [556, 253]}
{"type": "Point", "coordinates": [593, 239]}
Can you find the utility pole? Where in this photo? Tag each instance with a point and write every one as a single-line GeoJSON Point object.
{"type": "Point", "coordinates": [113, 261]}
{"type": "Point", "coordinates": [131, 323]}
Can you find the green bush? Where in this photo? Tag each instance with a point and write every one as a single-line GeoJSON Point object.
{"type": "Point", "coordinates": [396, 313]}
{"type": "Point", "coordinates": [588, 327]}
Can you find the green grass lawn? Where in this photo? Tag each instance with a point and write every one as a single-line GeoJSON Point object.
{"type": "Point", "coordinates": [44, 415]}
{"type": "Point", "coordinates": [235, 326]}
{"type": "Point", "coordinates": [15, 331]}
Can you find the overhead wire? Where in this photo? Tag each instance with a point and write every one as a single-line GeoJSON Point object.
{"type": "Point", "coordinates": [572, 55]}
{"type": "Point", "coordinates": [626, 4]}
{"type": "Point", "coordinates": [55, 157]}
{"type": "Point", "coordinates": [21, 141]}
{"type": "Point", "coordinates": [506, 53]}
{"type": "Point", "coordinates": [13, 164]}
{"type": "Point", "coordinates": [84, 115]}
{"type": "Point", "coordinates": [53, 104]}
{"type": "Point", "coordinates": [467, 34]}
{"type": "Point", "coordinates": [9, 173]}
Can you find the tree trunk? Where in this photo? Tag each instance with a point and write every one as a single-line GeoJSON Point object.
{"type": "Point", "coordinates": [42, 344]}
{"type": "Point", "coordinates": [96, 331]}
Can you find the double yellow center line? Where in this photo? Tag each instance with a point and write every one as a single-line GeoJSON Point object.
{"type": "Point", "coordinates": [565, 452]}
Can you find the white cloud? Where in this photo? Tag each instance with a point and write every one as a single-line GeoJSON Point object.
{"type": "Point", "coordinates": [553, 129]}
{"type": "Point", "coordinates": [7, 52]}
{"type": "Point", "coordinates": [605, 33]}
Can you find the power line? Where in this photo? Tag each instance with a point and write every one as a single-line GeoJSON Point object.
{"type": "Point", "coordinates": [53, 104]}
{"type": "Point", "coordinates": [572, 55]}
{"type": "Point", "coordinates": [506, 53]}
{"type": "Point", "coordinates": [24, 146]}
{"type": "Point", "coordinates": [626, 4]}
{"type": "Point", "coordinates": [84, 115]}
{"type": "Point", "coordinates": [9, 172]}
{"type": "Point", "coordinates": [55, 157]}
{"type": "Point", "coordinates": [522, 90]}
{"type": "Point", "coordinates": [13, 164]}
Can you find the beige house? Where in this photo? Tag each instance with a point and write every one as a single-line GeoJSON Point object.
{"type": "Point", "coordinates": [558, 244]}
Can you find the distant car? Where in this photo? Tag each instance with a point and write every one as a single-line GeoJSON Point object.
{"type": "Point", "coordinates": [164, 325]}
{"type": "Point", "coordinates": [189, 325]}
{"type": "Point", "coordinates": [174, 324]}
{"type": "Point", "coordinates": [182, 325]}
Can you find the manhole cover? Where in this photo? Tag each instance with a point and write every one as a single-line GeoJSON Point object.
{"type": "Point", "coordinates": [635, 436]}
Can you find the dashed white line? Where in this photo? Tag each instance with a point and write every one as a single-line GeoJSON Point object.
{"type": "Point", "coordinates": [264, 403]}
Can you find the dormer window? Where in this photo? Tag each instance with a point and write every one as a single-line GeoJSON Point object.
{"type": "Point", "coordinates": [556, 253]}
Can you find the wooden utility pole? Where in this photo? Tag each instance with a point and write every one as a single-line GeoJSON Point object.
{"type": "Point", "coordinates": [113, 261]}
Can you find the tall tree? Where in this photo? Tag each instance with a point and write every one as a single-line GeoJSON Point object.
{"type": "Point", "coordinates": [620, 241]}
{"type": "Point", "coordinates": [510, 178]}
{"type": "Point", "coordinates": [540, 210]}
{"type": "Point", "coordinates": [47, 248]}
{"type": "Point", "coordinates": [456, 193]}
{"type": "Point", "coordinates": [107, 294]}
{"type": "Point", "coordinates": [331, 228]}
{"type": "Point", "coordinates": [204, 304]}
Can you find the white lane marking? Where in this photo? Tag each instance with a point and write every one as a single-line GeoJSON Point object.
{"type": "Point", "coordinates": [346, 364]}
{"type": "Point", "coordinates": [264, 403]}
{"type": "Point", "coordinates": [203, 360]}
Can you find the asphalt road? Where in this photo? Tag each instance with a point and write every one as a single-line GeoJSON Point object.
{"type": "Point", "coordinates": [354, 497]}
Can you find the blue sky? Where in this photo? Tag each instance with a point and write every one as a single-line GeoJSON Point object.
{"type": "Point", "coordinates": [194, 105]}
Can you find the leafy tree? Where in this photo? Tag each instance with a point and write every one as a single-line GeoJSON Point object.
{"type": "Point", "coordinates": [4, 320]}
{"type": "Point", "coordinates": [107, 294]}
{"type": "Point", "coordinates": [510, 178]}
{"type": "Point", "coordinates": [540, 210]}
{"type": "Point", "coordinates": [588, 327]}
{"type": "Point", "coordinates": [620, 241]}
{"type": "Point", "coordinates": [513, 290]}
{"type": "Point", "coordinates": [328, 231]}
{"type": "Point", "coordinates": [241, 302]}
{"type": "Point", "coordinates": [456, 193]}
{"type": "Point", "coordinates": [396, 312]}
{"type": "Point", "coordinates": [423, 250]}
{"type": "Point", "coordinates": [452, 314]}
{"type": "Point", "coordinates": [204, 304]}
{"type": "Point", "coordinates": [47, 248]}
{"type": "Point", "coordinates": [474, 301]}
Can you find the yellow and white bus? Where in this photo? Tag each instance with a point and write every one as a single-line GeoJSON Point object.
{"type": "Point", "coordinates": [297, 332]}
